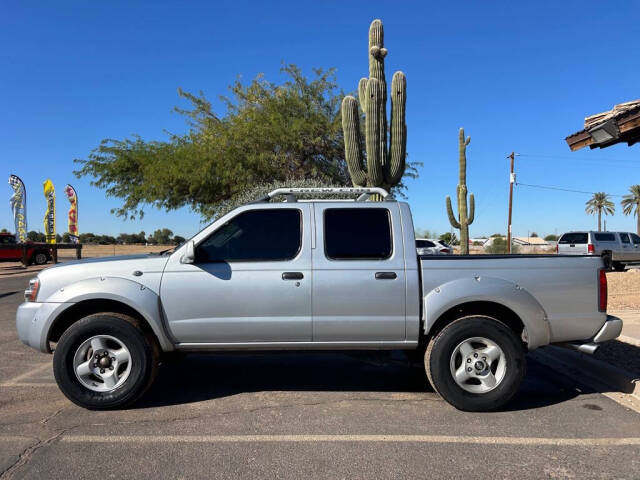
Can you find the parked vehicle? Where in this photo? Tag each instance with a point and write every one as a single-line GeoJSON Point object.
{"type": "Point", "coordinates": [10, 251]}
{"type": "Point", "coordinates": [246, 282]}
{"type": "Point", "coordinates": [617, 249]}
{"type": "Point", "coordinates": [428, 246]}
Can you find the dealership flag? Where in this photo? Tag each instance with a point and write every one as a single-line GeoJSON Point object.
{"type": "Point", "coordinates": [50, 214]}
{"type": "Point", "coordinates": [73, 212]}
{"type": "Point", "coordinates": [19, 207]}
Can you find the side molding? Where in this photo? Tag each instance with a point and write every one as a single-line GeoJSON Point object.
{"type": "Point", "coordinates": [489, 289]}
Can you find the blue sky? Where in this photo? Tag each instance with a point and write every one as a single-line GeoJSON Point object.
{"type": "Point", "coordinates": [517, 75]}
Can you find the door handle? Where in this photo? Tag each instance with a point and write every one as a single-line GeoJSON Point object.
{"type": "Point", "coordinates": [386, 275]}
{"type": "Point", "coordinates": [292, 276]}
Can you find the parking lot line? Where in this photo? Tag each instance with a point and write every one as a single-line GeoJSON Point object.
{"type": "Point", "coordinates": [13, 382]}
{"type": "Point", "coordinates": [579, 442]}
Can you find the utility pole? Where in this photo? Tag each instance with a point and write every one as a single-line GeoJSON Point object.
{"type": "Point", "coordinates": [512, 179]}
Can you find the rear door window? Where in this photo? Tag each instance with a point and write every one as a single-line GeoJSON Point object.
{"type": "Point", "coordinates": [357, 233]}
{"type": "Point", "coordinates": [574, 238]}
{"type": "Point", "coordinates": [625, 238]}
{"type": "Point", "coordinates": [424, 244]}
{"type": "Point", "coordinates": [605, 237]}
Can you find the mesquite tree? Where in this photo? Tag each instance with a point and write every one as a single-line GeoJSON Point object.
{"type": "Point", "coordinates": [385, 163]}
{"type": "Point", "coordinates": [465, 218]}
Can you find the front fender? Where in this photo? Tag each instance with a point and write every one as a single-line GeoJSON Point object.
{"type": "Point", "coordinates": [489, 289]}
{"type": "Point", "coordinates": [133, 294]}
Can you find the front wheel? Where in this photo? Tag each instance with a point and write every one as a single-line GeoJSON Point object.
{"type": "Point", "coordinates": [105, 361]}
{"type": "Point", "coordinates": [40, 258]}
{"type": "Point", "coordinates": [476, 363]}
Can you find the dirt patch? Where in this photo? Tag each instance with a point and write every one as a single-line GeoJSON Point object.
{"type": "Point", "coordinates": [624, 290]}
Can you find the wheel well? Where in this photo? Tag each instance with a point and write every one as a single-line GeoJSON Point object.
{"type": "Point", "coordinates": [89, 307]}
{"type": "Point", "coordinates": [491, 309]}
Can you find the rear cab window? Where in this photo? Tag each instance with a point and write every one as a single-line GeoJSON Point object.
{"type": "Point", "coordinates": [574, 238]}
{"type": "Point", "coordinates": [357, 234]}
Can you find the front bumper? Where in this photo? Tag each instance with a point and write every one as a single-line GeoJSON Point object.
{"type": "Point", "coordinates": [33, 320]}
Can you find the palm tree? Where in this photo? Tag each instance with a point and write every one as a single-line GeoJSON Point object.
{"type": "Point", "coordinates": [600, 203]}
{"type": "Point", "coordinates": [631, 204]}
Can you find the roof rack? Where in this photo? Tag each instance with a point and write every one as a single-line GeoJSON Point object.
{"type": "Point", "coordinates": [291, 194]}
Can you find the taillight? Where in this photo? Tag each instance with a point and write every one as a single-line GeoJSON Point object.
{"type": "Point", "coordinates": [445, 250]}
{"type": "Point", "coordinates": [590, 248]}
{"type": "Point", "coordinates": [31, 293]}
{"type": "Point", "coordinates": [602, 290]}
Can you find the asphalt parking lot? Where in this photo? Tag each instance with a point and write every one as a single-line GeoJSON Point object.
{"type": "Point", "coordinates": [293, 415]}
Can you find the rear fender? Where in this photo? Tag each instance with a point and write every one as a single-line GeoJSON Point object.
{"type": "Point", "coordinates": [489, 289]}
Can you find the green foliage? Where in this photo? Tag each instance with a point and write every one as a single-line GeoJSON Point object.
{"type": "Point", "coordinates": [383, 165]}
{"type": "Point", "coordinates": [533, 234]}
{"type": "Point", "coordinates": [178, 240]}
{"type": "Point", "coordinates": [499, 245]}
{"type": "Point", "coordinates": [425, 233]}
{"type": "Point", "coordinates": [496, 235]}
{"type": "Point", "coordinates": [162, 236]}
{"type": "Point", "coordinates": [449, 238]}
{"type": "Point", "coordinates": [631, 204]}
{"type": "Point", "coordinates": [4, 230]}
{"type": "Point", "coordinates": [551, 238]}
{"type": "Point", "coordinates": [267, 132]}
{"type": "Point", "coordinates": [36, 236]}
{"type": "Point", "coordinates": [598, 204]}
{"type": "Point", "coordinates": [464, 219]}
{"type": "Point", "coordinates": [132, 238]}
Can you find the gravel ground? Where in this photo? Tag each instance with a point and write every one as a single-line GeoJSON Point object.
{"type": "Point", "coordinates": [624, 290]}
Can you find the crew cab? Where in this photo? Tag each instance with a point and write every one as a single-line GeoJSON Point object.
{"type": "Point", "coordinates": [11, 251]}
{"type": "Point", "coordinates": [313, 274]}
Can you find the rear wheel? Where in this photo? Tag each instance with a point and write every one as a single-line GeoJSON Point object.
{"type": "Point", "coordinates": [40, 258]}
{"type": "Point", "coordinates": [619, 267]}
{"type": "Point", "coordinates": [475, 363]}
{"type": "Point", "coordinates": [105, 361]}
{"type": "Point", "coordinates": [607, 260]}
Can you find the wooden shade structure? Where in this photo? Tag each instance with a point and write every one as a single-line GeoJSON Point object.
{"type": "Point", "coordinates": [618, 125]}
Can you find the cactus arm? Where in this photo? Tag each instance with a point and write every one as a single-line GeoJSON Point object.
{"type": "Point", "coordinates": [472, 209]}
{"type": "Point", "coordinates": [398, 134]}
{"type": "Point", "coordinates": [362, 94]}
{"type": "Point", "coordinates": [462, 151]}
{"type": "Point", "coordinates": [377, 52]}
{"type": "Point", "coordinates": [352, 141]}
{"type": "Point", "coordinates": [374, 131]}
{"type": "Point", "coordinates": [452, 218]}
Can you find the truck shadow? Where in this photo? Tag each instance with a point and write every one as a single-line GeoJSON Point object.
{"type": "Point", "coordinates": [201, 377]}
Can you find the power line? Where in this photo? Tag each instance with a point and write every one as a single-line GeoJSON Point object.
{"type": "Point", "coordinates": [547, 187]}
{"type": "Point", "coordinates": [618, 161]}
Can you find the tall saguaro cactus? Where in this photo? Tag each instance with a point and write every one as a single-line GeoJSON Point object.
{"type": "Point", "coordinates": [384, 165]}
{"type": "Point", "coordinates": [465, 218]}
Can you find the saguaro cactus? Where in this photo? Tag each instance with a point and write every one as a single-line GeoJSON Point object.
{"type": "Point", "coordinates": [384, 165]}
{"type": "Point", "coordinates": [465, 218]}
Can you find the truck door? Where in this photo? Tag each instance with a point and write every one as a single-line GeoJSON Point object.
{"type": "Point", "coordinates": [636, 247]}
{"type": "Point", "coordinates": [250, 282]}
{"type": "Point", "coordinates": [358, 273]}
{"type": "Point", "coordinates": [627, 247]}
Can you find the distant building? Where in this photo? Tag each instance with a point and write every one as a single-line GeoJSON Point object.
{"type": "Point", "coordinates": [618, 125]}
{"type": "Point", "coordinates": [530, 241]}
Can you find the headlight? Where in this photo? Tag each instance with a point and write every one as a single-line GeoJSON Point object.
{"type": "Point", "coordinates": [31, 293]}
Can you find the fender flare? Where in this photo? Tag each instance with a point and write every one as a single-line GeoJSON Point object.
{"type": "Point", "coordinates": [494, 290]}
{"type": "Point", "coordinates": [133, 294]}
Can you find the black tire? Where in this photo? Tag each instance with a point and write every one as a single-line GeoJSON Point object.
{"type": "Point", "coordinates": [608, 261]}
{"type": "Point", "coordinates": [441, 348]}
{"type": "Point", "coordinates": [619, 267]}
{"type": "Point", "coordinates": [144, 353]}
{"type": "Point", "coordinates": [40, 258]}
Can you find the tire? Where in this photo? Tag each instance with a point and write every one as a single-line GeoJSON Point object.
{"type": "Point", "coordinates": [608, 262]}
{"type": "Point", "coordinates": [618, 267]}
{"type": "Point", "coordinates": [40, 258]}
{"type": "Point", "coordinates": [473, 393]}
{"type": "Point", "coordinates": [125, 381]}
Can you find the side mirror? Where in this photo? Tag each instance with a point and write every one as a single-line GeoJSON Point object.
{"type": "Point", "coordinates": [189, 253]}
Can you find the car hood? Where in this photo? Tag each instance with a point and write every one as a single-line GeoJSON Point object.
{"type": "Point", "coordinates": [124, 266]}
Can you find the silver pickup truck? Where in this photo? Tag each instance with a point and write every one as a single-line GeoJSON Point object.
{"type": "Point", "coordinates": [313, 274]}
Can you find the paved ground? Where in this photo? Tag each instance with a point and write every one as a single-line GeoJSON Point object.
{"type": "Point", "coordinates": [317, 415]}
